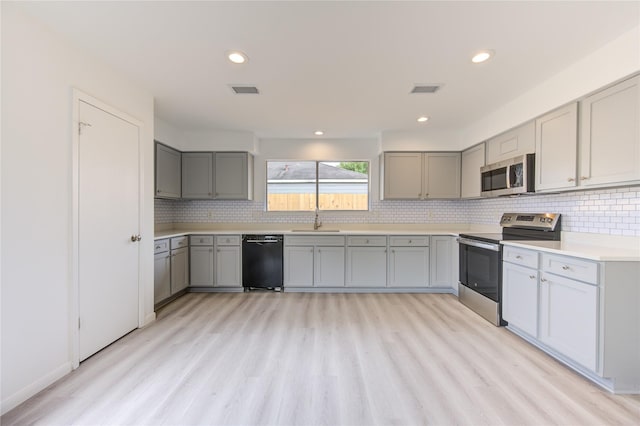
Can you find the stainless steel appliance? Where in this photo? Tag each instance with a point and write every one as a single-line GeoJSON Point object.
{"type": "Point", "coordinates": [508, 177]}
{"type": "Point", "coordinates": [480, 279]}
{"type": "Point", "coordinates": [262, 261]}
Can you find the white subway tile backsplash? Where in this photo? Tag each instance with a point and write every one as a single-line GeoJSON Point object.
{"type": "Point", "coordinates": [606, 211]}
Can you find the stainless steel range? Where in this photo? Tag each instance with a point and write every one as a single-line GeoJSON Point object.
{"type": "Point", "coordinates": [480, 280]}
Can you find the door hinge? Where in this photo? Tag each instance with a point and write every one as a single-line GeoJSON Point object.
{"type": "Point", "coordinates": [82, 125]}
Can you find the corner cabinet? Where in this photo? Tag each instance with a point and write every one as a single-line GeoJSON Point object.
{"type": "Point", "coordinates": [472, 160]}
{"type": "Point", "coordinates": [168, 171]}
{"type": "Point", "coordinates": [420, 175]}
{"type": "Point", "coordinates": [610, 135]}
{"type": "Point", "coordinates": [233, 176]}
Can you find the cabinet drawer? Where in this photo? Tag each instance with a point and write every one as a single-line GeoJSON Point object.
{"type": "Point", "coordinates": [228, 240]}
{"type": "Point", "coordinates": [179, 242]}
{"type": "Point", "coordinates": [312, 240]}
{"type": "Point", "coordinates": [519, 256]}
{"type": "Point", "coordinates": [409, 241]}
{"type": "Point", "coordinates": [367, 241]}
{"type": "Point", "coordinates": [160, 246]}
{"type": "Point", "coordinates": [201, 240]}
{"type": "Point", "coordinates": [571, 267]}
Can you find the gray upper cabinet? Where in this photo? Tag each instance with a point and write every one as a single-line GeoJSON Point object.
{"type": "Point", "coordinates": [556, 147]}
{"type": "Point", "coordinates": [197, 175]}
{"type": "Point", "coordinates": [472, 160]}
{"type": "Point", "coordinates": [168, 165]}
{"type": "Point", "coordinates": [442, 175]}
{"type": "Point", "coordinates": [610, 135]}
{"type": "Point", "coordinates": [233, 176]}
{"type": "Point", "coordinates": [420, 175]}
{"type": "Point", "coordinates": [512, 143]}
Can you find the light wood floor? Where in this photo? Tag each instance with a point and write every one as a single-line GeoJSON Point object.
{"type": "Point", "coordinates": [330, 359]}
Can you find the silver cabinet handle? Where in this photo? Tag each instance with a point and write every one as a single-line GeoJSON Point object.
{"type": "Point", "coordinates": [532, 277]}
{"type": "Point", "coordinates": [410, 241]}
{"type": "Point", "coordinates": [158, 247]}
{"type": "Point", "coordinates": [518, 257]}
{"type": "Point", "coordinates": [135, 238]}
{"type": "Point", "coordinates": [571, 180]}
{"type": "Point", "coordinates": [544, 280]}
{"type": "Point", "coordinates": [565, 267]}
{"type": "Point", "coordinates": [583, 178]}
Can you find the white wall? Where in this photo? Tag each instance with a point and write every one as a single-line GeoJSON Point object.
{"type": "Point", "coordinates": [430, 139]}
{"type": "Point", "coordinates": [219, 140]}
{"type": "Point", "coordinates": [615, 60]}
{"type": "Point", "coordinates": [39, 70]}
{"type": "Point", "coordinates": [168, 134]}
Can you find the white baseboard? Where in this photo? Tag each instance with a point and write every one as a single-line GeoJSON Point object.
{"type": "Point", "coordinates": [12, 401]}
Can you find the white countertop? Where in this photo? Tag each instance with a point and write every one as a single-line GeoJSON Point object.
{"type": "Point", "coordinates": [181, 232]}
{"type": "Point", "coordinates": [603, 248]}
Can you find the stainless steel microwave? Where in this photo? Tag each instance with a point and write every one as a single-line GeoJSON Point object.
{"type": "Point", "coordinates": [509, 177]}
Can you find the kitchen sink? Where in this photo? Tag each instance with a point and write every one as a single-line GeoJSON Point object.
{"type": "Point", "coordinates": [315, 230]}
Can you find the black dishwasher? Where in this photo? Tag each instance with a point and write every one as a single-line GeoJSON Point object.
{"type": "Point", "coordinates": [262, 261]}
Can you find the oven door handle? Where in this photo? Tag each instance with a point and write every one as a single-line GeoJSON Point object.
{"type": "Point", "coordinates": [479, 244]}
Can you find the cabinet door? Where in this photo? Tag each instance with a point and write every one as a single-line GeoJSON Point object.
{"type": "Point", "coordinates": [512, 143]}
{"type": "Point", "coordinates": [366, 267]}
{"type": "Point", "coordinates": [569, 318]}
{"type": "Point", "coordinates": [201, 266]}
{"type": "Point", "coordinates": [329, 267]}
{"type": "Point", "coordinates": [197, 175]}
{"type": "Point", "coordinates": [557, 148]}
{"type": "Point", "coordinates": [520, 297]}
{"type": "Point", "coordinates": [610, 135]}
{"type": "Point", "coordinates": [228, 265]}
{"type": "Point", "coordinates": [232, 176]}
{"type": "Point", "coordinates": [408, 267]}
{"type": "Point", "coordinates": [402, 176]}
{"type": "Point", "coordinates": [441, 175]}
{"type": "Point", "coordinates": [298, 266]}
{"type": "Point", "coordinates": [168, 163]}
{"type": "Point", "coordinates": [161, 276]}
{"type": "Point", "coordinates": [442, 262]}
{"type": "Point", "coordinates": [179, 270]}
{"type": "Point", "coordinates": [472, 160]}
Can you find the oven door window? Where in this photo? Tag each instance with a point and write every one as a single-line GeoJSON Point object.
{"type": "Point", "coordinates": [482, 271]}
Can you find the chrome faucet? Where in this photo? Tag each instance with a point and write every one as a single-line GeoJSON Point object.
{"type": "Point", "coordinates": [316, 224]}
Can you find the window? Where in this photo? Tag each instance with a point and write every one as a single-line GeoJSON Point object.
{"type": "Point", "coordinates": [322, 185]}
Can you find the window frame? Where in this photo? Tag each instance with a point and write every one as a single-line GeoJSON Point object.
{"type": "Point", "coordinates": [317, 185]}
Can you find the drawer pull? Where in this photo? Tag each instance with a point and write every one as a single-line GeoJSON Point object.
{"type": "Point", "coordinates": [571, 180]}
{"type": "Point", "coordinates": [565, 267]}
{"type": "Point", "coordinates": [158, 247]}
{"type": "Point", "coordinates": [410, 241]}
{"type": "Point", "coordinates": [518, 257]}
{"type": "Point", "coordinates": [543, 280]}
{"type": "Point", "coordinates": [533, 277]}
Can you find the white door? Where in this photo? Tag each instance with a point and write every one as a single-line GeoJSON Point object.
{"type": "Point", "coordinates": [108, 217]}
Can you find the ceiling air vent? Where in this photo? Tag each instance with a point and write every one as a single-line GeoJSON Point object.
{"type": "Point", "coordinates": [245, 90]}
{"type": "Point", "coordinates": [426, 88]}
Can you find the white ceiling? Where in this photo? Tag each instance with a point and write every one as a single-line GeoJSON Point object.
{"type": "Point", "coordinates": [343, 67]}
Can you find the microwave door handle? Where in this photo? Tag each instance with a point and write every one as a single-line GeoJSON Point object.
{"type": "Point", "coordinates": [508, 177]}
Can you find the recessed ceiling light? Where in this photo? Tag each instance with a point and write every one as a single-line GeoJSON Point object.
{"type": "Point", "coordinates": [237, 57]}
{"type": "Point", "coordinates": [318, 133]}
{"type": "Point", "coordinates": [423, 119]}
{"type": "Point", "coordinates": [482, 56]}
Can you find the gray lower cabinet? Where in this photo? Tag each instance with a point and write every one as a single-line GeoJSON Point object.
{"type": "Point", "coordinates": [233, 176]}
{"type": "Point", "coordinates": [161, 271]}
{"type": "Point", "coordinates": [201, 261]}
{"type": "Point", "coordinates": [197, 175]}
{"type": "Point", "coordinates": [580, 311]}
{"type": "Point", "coordinates": [168, 172]}
{"type": "Point", "coordinates": [228, 261]}
{"type": "Point", "coordinates": [311, 261]}
{"type": "Point", "coordinates": [443, 261]}
{"type": "Point", "coordinates": [408, 261]}
{"type": "Point", "coordinates": [366, 261]}
{"type": "Point", "coordinates": [179, 269]}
